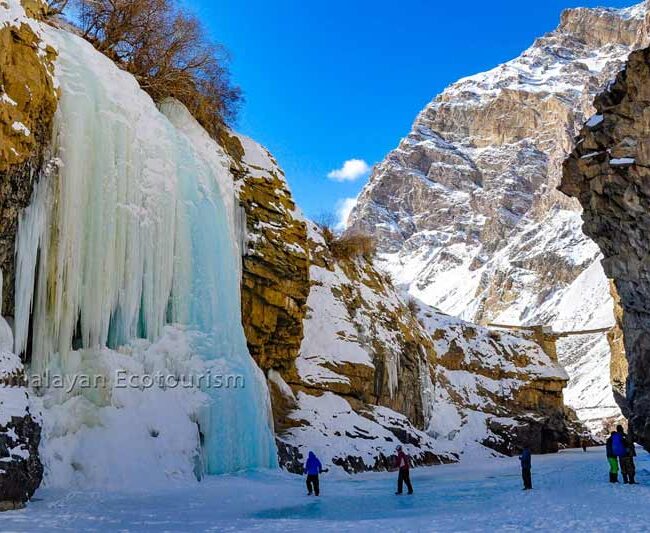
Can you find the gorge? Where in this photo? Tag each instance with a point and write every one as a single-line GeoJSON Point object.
{"type": "Point", "coordinates": [134, 243]}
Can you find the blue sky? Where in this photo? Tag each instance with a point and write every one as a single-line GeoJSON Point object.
{"type": "Point", "coordinates": [327, 82]}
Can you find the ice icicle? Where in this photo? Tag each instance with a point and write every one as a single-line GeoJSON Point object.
{"type": "Point", "coordinates": [133, 229]}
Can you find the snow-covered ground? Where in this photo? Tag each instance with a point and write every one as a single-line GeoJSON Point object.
{"type": "Point", "coordinates": [571, 493]}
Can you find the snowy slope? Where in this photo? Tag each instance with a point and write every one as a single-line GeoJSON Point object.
{"type": "Point", "coordinates": [467, 391]}
{"type": "Point", "coordinates": [487, 384]}
{"type": "Point", "coordinates": [360, 388]}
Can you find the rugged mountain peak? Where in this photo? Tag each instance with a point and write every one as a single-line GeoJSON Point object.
{"type": "Point", "coordinates": [603, 26]}
{"type": "Point", "coordinates": [465, 210]}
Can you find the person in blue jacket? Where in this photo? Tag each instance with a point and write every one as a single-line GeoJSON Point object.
{"type": "Point", "coordinates": [313, 467]}
{"type": "Point", "coordinates": [525, 461]}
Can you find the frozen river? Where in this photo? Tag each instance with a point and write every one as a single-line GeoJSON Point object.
{"type": "Point", "coordinates": [571, 493]}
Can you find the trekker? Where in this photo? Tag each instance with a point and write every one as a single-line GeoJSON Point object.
{"type": "Point", "coordinates": [584, 441]}
{"type": "Point", "coordinates": [404, 475]}
{"type": "Point", "coordinates": [526, 461]}
{"type": "Point", "coordinates": [611, 458]}
{"type": "Point", "coordinates": [313, 467]}
{"type": "Point", "coordinates": [628, 470]}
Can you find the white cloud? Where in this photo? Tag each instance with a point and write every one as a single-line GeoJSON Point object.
{"type": "Point", "coordinates": [343, 209]}
{"type": "Point", "coordinates": [351, 170]}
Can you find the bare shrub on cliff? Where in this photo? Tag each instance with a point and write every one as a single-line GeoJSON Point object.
{"type": "Point", "coordinates": [326, 222]}
{"type": "Point", "coordinates": [413, 306]}
{"type": "Point", "coordinates": [347, 245]}
{"type": "Point", "coordinates": [167, 50]}
{"type": "Point", "coordinates": [351, 246]}
{"type": "Point", "coordinates": [56, 7]}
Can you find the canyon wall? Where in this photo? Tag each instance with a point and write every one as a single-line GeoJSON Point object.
{"type": "Point", "coordinates": [609, 172]}
{"type": "Point", "coordinates": [372, 369]}
{"type": "Point", "coordinates": [28, 101]}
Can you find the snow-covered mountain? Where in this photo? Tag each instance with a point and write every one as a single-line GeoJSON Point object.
{"type": "Point", "coordinates": [466, 212]}
{"type": "Point", "coordinates": [374, 370]}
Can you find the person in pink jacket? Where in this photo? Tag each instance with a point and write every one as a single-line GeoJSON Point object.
{"type": "Point", "coordinates": [403, 469]}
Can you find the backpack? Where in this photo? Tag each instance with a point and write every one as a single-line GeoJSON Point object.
{"type": "Point", "coordinates": [618, 445]}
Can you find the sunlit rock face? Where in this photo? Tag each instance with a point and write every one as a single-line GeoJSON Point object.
{"type": "Point", "coordinates": [28, 100]}
{"type": "Point", "coordinates": [466, 211]}
{"type": "Point", "coordinates": [608, 172]}
{"type": "Point", "coordinates": [275, 277]}
{"type": "Point", "coordinates": [376, 369]}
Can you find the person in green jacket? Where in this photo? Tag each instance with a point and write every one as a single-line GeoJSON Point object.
{"type": "Point", "coordinates": [612, 459]}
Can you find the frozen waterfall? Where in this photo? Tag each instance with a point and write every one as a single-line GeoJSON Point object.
{"type": "Point", "coordinates": [133, 228]}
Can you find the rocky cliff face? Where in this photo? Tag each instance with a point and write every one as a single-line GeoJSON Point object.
{"type": "Point", "coordinates": [619, 364]}
{"type": "Point", "coordinates": [497, 388]}
{"type": "Point", "coordinates": [28, 101]}
{"type": "Point", "coordinates": [369, 354]}
{"type": "Point", "coordinates": [27, 104]}
{"type": "Point", "coordinates": [20, 430]}
{"type": "Point", "coordinates": [608, 173]}
{"type": "Point", "coordinates": [283, 264]}
{"type": "Point", "coordinates": [465, 209]}
{"type": "Point", "coordinates": [365, 368]}
{"type": "Point", "coordinates": [275, 282]}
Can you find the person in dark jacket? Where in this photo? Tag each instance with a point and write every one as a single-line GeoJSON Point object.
{"type": "Point", "coordinates": [526, 475]}
{"type": "Point", "coordinates": [313, 467]}
{"type": "Point", "coordinates": [628, 470]}
{"type": "Point", "coordinates": [404, 475]}
{"type": "Point", "coordinates": [611, 458]}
